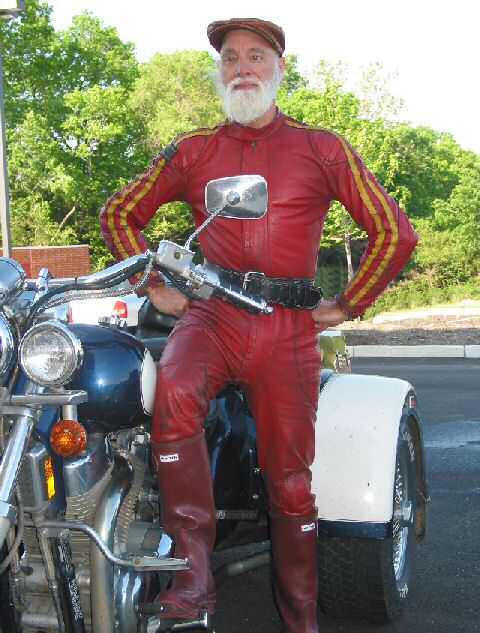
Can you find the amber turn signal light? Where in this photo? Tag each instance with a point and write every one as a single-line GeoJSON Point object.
{"type": "Point", "coordinates": [68, 438]}
{"type": "Point", "coordinates": [49, 478]}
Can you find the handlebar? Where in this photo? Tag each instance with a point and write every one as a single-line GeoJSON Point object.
{"type": "Point", "coordinates": [200, 281]}
{"type": "Point", "coordinates": [111, 276]}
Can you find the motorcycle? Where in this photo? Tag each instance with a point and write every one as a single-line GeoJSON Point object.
{"type": "Point", "coordinates": [82, 546]}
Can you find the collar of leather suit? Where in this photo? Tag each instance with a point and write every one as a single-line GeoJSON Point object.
{"type": "Point", "coordinates": [245, 133]}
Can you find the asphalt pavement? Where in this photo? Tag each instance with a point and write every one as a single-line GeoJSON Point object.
{"type": "Point", "coordinates": [445, 590]}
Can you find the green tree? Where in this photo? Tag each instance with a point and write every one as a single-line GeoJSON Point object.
{"type": "Point", "coordinates": [73, 138]}
{"type": "Point", "coordinates": [39, 183]}
{"type": "Point", "coordinates": [377, 101]}
{"type": "Point", "coordinates": [91, 54]}
{"type": "Point", "coordinates": [174, 93]}
{"type": "Point", "coordinates": [418, 166]}
{"type": "Point", "coordinates": [292, 79]}
{"type": "Point", "coordinates": [29, 65]}
{"type": "Point", "coordinates": [450, 251]}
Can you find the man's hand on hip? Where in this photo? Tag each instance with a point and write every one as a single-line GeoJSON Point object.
{"type": "Point", "coordinates": [328, 314]}
{"type": "Point", "coordinates": [168, 300]}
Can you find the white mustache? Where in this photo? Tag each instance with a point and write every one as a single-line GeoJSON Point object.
{"type": "Point", "coordinates": [238, 81]}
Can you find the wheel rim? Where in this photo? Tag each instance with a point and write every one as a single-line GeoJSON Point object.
{"type": "Point", "coordinates": [402, 516]}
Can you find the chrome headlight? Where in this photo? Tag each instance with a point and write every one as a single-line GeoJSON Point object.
{"type": "Point", "coordinates": [50, 354]}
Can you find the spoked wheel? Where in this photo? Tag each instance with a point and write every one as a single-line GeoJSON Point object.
{"type": "Point", "coordinates": [366, 578]}
{"type": "Point", "coordinates": [403, 526]}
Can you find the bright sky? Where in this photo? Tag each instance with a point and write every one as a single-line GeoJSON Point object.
{"type": "Point", "coordinates": [433, 45]}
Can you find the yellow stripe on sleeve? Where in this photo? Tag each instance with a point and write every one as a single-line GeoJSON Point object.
{"type": "Point", "coordinates": [123, 215]}
{"type": "Point", "coordinates": [391, 247]}
{"type": "Point", "coordinates": [373, 212]}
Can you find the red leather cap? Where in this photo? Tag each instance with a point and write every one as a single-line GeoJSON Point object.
{"type": "Point", "coordinates": [270, 32]}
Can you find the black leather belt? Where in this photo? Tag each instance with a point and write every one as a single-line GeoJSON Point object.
{"type": "Point", "coordinates": [289, 293]}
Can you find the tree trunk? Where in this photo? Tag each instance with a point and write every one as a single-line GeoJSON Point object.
{"type": "Point", "coordinates": [62, 223]}
{"type": "Point", "coordinates": [348, 249]}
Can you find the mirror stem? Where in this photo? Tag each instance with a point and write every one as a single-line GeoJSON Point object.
{"type": "Point", "coordinates": [215, 214]}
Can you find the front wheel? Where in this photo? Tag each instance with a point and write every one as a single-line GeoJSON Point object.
{"type": "Point", "coordinates": [366, 578]}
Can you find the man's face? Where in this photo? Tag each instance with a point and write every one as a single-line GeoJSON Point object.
{"type": "Point", "coordinates": [250, 73]}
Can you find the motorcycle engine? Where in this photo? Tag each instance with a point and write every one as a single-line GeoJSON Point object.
{"type": "Point", "coordinates": [87, 480]}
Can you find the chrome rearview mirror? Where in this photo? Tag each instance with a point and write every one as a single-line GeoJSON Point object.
{"type": "Point", "coordinates": [12, 278]}
{"type": "Point", "coordinates": [238, 197]}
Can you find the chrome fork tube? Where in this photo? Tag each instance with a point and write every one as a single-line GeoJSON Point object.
{"type": "Point", "coordinates": [12, 458]}
{"type": "Point", "coordinates": [15, 447]}
{"type": "Point", "coordinates": [101, 571]}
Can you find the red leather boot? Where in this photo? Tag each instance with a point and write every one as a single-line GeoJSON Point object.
{"type": "Point", "coordinates": [294, 552]}
{"type": "Point", "coordinates": [188, 517]}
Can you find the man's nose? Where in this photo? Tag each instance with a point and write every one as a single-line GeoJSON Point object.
{"type": "Point", "coordinates": [242, 68]}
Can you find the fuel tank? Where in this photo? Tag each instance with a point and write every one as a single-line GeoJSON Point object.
{"type": "Point", "coordinates": [119, 375]}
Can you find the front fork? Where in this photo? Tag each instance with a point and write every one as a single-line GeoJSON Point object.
{"type": "Point", "coordinates": [24, 420]}
{"type": "Point", "coordinates": [12, 458]}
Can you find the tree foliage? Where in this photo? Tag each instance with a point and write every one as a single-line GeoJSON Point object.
{"type": "Point", "coordinates": [72, 135]}
{"type": "Point", "coordinates": [175, 93]}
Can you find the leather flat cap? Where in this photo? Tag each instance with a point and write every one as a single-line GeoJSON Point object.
{"type": "Point", "coordinates": [270, 32]}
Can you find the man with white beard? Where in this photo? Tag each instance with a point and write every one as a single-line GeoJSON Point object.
{"type": "Point", "coordinates": [247, 103]}
{"type": "Point", "coordinates": [274, 358]}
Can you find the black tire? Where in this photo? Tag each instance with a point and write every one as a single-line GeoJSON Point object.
{"type": "Point", "coordinates": [9, 616]}
{"type": "Point", "coordinates": [369, 579]}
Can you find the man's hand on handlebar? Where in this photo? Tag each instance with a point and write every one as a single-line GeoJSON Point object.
{"type": "Point", "coordinates": [168, 300]}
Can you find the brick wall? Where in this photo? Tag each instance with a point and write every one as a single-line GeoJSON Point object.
{"type": "Point", "coordinates": [62, 261]}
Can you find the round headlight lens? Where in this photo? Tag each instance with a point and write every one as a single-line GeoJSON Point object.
{"type": "Point", "coordinates": [50, 354]}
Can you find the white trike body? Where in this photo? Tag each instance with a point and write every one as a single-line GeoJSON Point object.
{"type": "Point", "coordinates": [357, 430]}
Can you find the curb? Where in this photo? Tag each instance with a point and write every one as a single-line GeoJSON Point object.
{"type": "Point", "coordinates": [414, 351]}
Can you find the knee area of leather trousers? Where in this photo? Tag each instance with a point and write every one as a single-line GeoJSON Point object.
{"type": "Point", "coordinates": [181, 402]}
{"type": "Point", "coordinates": [292, 496]}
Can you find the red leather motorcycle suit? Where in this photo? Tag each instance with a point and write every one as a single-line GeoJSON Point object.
{"type": "Point", "coordinates": [275, 358]}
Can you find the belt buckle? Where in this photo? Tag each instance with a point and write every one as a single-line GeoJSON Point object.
{"type": "Point", "coordinates": [247, 278]}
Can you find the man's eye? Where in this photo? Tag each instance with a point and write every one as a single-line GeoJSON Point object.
{"type": "Point", "coordinates": [257, 58]}
{"type": "Point", "coordinates": [227, 60]}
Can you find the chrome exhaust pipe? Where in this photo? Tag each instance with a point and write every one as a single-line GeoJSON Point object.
{"type": "Point", "coordinates": [101, 570]}
{"type": "Point", "coordinates": [241, 566]}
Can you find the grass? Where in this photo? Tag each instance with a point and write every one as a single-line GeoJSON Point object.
{"type": "Point", "coordinates": [418, 293]}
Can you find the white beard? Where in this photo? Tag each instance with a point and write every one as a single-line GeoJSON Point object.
{"type": "Point", "coordinates": [246, 106]}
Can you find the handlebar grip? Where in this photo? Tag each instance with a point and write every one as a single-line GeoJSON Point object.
{"type": "Point", "coordinates": [222, 288]}
{"type": "Point", "coordinates": [244, 299]}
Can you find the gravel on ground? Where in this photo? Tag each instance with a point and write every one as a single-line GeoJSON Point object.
{"type": "Point", "coordinates": [429, 330]}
